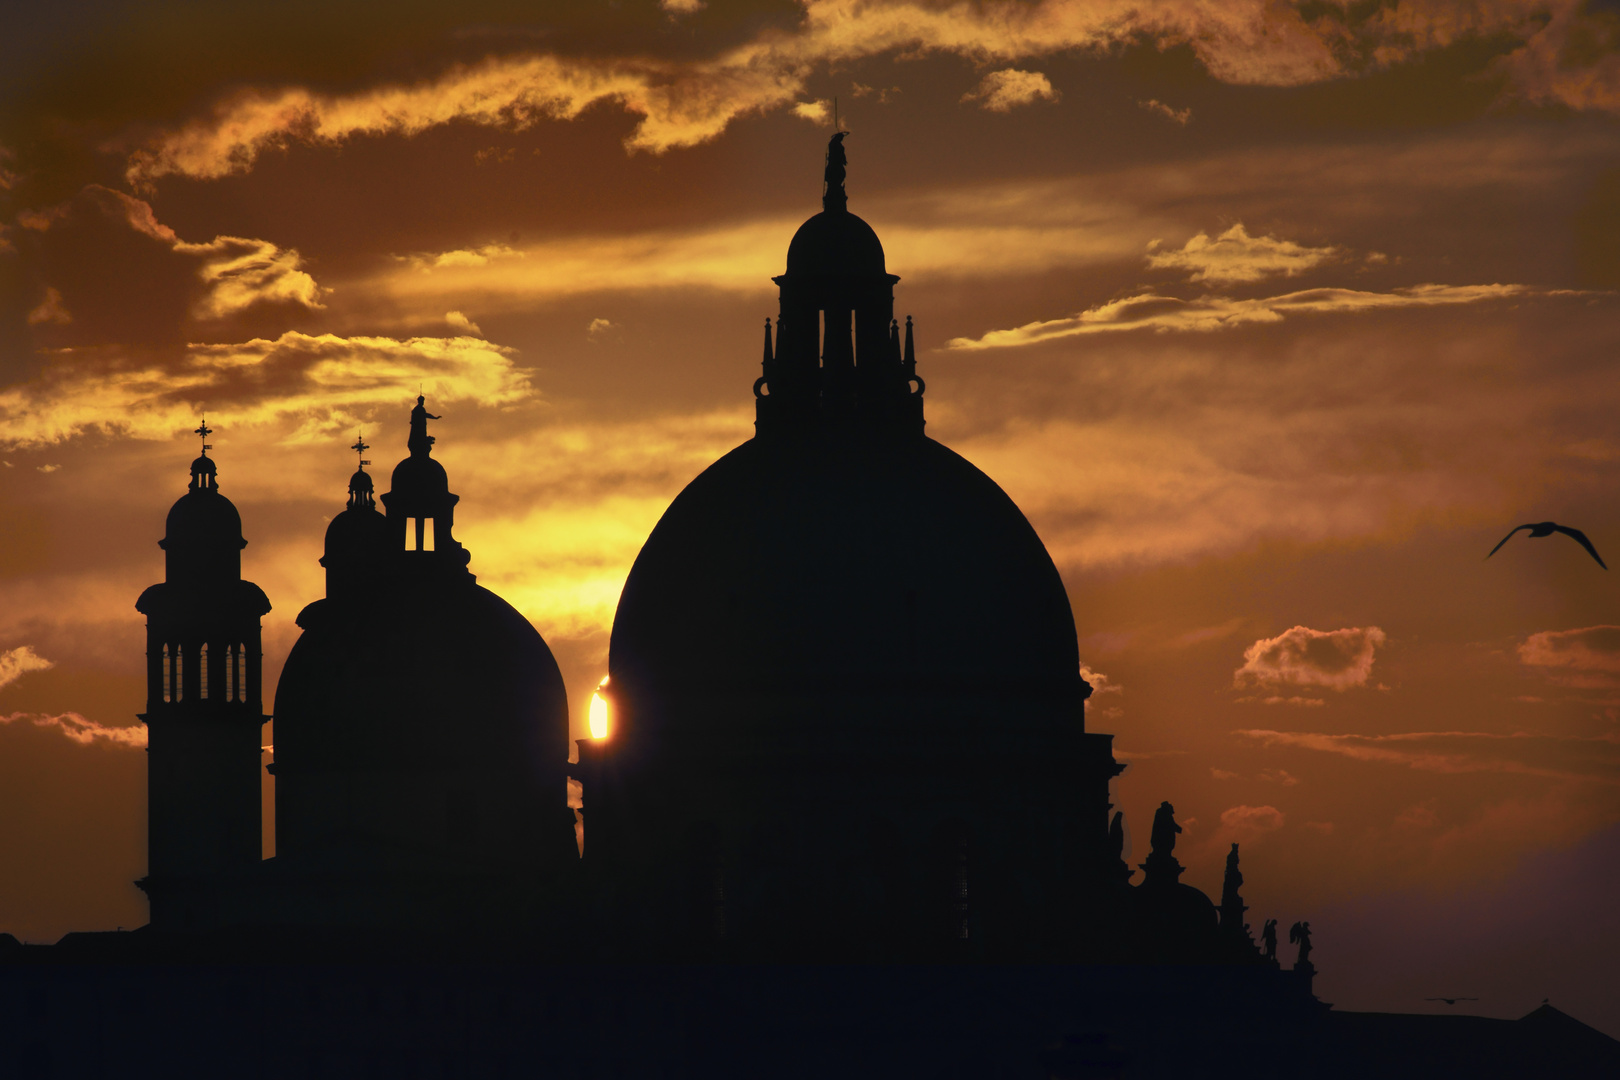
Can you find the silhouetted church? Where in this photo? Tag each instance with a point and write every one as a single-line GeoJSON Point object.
{"type": "Point", "coordinates": [848, 726]}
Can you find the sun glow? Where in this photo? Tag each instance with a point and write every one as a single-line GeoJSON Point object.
{"type": "Point", "coordinates": [599, 711]}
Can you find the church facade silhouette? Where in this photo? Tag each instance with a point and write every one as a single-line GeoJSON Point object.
{"type": "Point", "coordinates": [849, 817]}
{"type": "Point", "coordinates": [849, 720]}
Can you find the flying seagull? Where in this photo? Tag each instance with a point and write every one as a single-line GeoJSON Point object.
{"type": "Point", "coordinates": [1453, 1001]}
{"type": "Point", "coordinates": [1547, 528]}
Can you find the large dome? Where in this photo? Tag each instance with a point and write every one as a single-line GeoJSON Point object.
{"type": "Point", "coordinates": [844, 671]}
{"type": "Point", "coordinates": [839, 568]}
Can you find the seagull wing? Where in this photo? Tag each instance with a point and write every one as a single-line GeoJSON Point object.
{"type": "Point", "coordinates": [1506, 538]}
{"type": "Point", "coordinates": [1581, 539]}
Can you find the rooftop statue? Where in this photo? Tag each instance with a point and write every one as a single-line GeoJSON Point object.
{"type": "Point", "coordinates": [1165, 830]}
{"type": "Point", "coordinates": [420, 442]}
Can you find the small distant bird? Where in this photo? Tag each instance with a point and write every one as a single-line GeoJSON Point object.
{"type": "Point", "coordinates": [1547, 528]}
{"type": "Point", "coordinates": [1451, 1001]}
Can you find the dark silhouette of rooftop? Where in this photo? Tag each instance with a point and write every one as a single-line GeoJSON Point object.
{"type": "Point", "coordinates": [848, 789]}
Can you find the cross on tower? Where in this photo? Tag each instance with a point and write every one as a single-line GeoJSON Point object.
{"type": "Point", "coordinates": [203, 431]}
{"type": "Point", "coordinates": [360, 448]}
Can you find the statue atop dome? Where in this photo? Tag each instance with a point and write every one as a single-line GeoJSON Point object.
{"type": "Point", "coordinates": [1161, 867]}
{"type": "Point", "coordinates": [833, 196]}
{"type": "Point", "coordinates": [420, 442]}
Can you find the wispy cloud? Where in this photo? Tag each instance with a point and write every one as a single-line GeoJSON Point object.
{"type": "Point", "coordinates": [1588, 657]}
{"type": "Point", "coordinates": [1179, 116]}
{"type": "Point", "coordinates": [1235, 256]}
{"type": "Point", "coordinates": [238, 272]}
{"type": "Point", "coordinates": [1246, 824]}
{"type": "Point", "coordinates": [1148, 311]}
{"type": "Point", "coordinates": [975, 233]}
{"type": "Point", "coordinates": [82, 731]}
{"type": "Point", "coordinates": [1463, 751]}
{"type": "Point", "coordinates": [15, 663]}
{"type": "Point", "coordinates": [686, 102]}
{"type": "Point", "coordinates": [310, 386]}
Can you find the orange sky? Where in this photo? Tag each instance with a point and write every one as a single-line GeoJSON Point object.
{"type": "Point", "coordinates": [1273, 319]}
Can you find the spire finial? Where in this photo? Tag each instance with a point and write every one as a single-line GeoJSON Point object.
{"type": "Point", "coordinates": [833, 196]}
{"type": "Point", "coordinates": [204, 476]}
{"type": "Point", "coordinates": [361, 491]}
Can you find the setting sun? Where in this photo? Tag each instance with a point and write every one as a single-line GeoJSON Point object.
{"type": "Point", "coordinates": [599, 712]}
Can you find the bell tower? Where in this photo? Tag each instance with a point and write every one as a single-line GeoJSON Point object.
{"type": "Point", "coordinates": [204, 711]}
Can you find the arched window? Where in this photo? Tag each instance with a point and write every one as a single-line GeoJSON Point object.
{"type": "Point", "coordinates": [168, 674]}
{"type": "Point", "coordinates": [202, 671]}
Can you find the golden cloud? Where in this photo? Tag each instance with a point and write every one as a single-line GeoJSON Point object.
{"type": "Point", "coordinates": [15, 663]}
{"type": "Point", "coordinates": [82, 731]}
{"type": "Point", "coordinates": [1148, 311]}
{"type": "Point", "coordinates": [1335, 659]}
{"type": "Point", "coordinates": [239, 272]}
{"type": "Point", "coordinates": [1100, 684]}
{"type": "Point", "coordinates": [1235, 256]}
{"type": "Point", "coordinates": [817, 112]}
{"type": "Point", "coordinates": [309, 386]}
{"type": "Point", "coordinates": [1003, 91]}
{"type": "Point", "coordinates": [1019, 229]}
{"type": "Point", "coordinates": [684, 103]}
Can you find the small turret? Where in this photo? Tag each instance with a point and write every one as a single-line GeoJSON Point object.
{"type": "Point", "coordinates": [358, 541]}
{"type": "Point", "coordinates": [420, 506]}
{"type": "Point", "coordinates": [837, 361]}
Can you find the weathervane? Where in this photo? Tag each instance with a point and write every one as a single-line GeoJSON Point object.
{"type": "Point", "coordinates": [203, 431]}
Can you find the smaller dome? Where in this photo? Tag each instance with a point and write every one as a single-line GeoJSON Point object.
{"type": "Point", "coordinates": [360, 483]}
{"type": "Point", "coordinates": [359, 532]}
{"type": "Point", "coordinates": [835, 243]}
{"type": "Point", "coordinates": [202, 538]}
{"type": "Point", "coordinates": [203, 519]}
